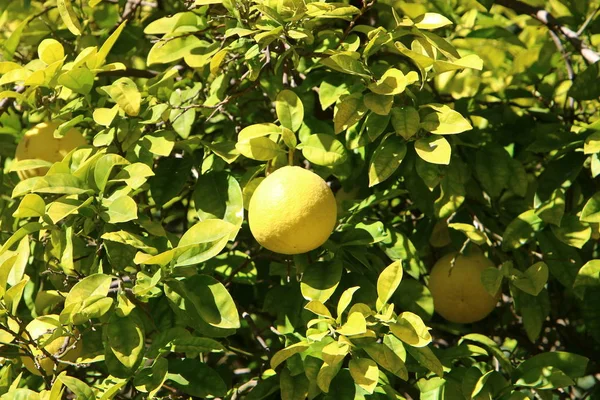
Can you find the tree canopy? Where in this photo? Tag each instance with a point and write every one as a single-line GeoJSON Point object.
{"type": "Point", "coordinates": [127, 266]}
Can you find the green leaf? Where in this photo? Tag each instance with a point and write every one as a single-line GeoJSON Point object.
{"type": "Point", "coordinates": [410, 329]}
{"type": "Point", "coordinates": [426, 358]}
{"type": "Point", "coordinates": [492, 166]}
{"type": "Point", "coordinates": [170, 177]}
{"type": "Point", "coordinates": [444, 121]}
{"type": "Point", "coordinates": [212, 301]}
{"type": "Point", "coordinates": [588, 275]}
{"type": "Point", "coordinates": [365, 373]}
{"type": "Point", "coordinates": [434, 149]}
{"type": "Point", "coordinates": [122, 209]}
{"type": "Point", "coordinates": [388, 281]}
{"type": "Point", "coordinates": [219, 196]}
{"type": "Point", "coordinates": [492, 347]}
{"type": "Point", "coordinates": [23, 231]}
{"type": "Point", "coordinates": [533, 280]}
{"type": "Point", "coordinates": [344, 301]}
{"type": "Point", "coordinates": [521, 230]}
{"type": "Point", "coordinates": [290, 110]}
{"type": "Point", "coordinates": [261, 149]}
{"type": "Point", "coordinates": [79, 388]}
{"type": "Point", "coordinates": [333, 356]}
{"type": "Point", "coordinates": [318, 308]}
{"type": "Point", "coordinates": [293, 387]}
{"type": "Point", "coordinates": [164, 52]}
{"type": "Point", "coordinates": [125, 93]}
{"type": "Point", "coordinates": [93, 285]}
{"type": "Point", "coordinates": [348, 63]}
{"type": "Point", "coordinates": [572, 232]}
{"type": "Point", "coordinates": [475, 235]}
{"type": "Point", "coordinates": [79, 80]}
{"type": "Point", "coordinates": [491, 278]}
{"type": "Point", "coordinates": [386, 159]}
{"type": "Point", "coordinates": [387, 359]}
{"type": "Point", "coordinates": [379, 104]}
{"type": "Point", "coordinates": [323, 149]}
{"type": "Point", "coordinates": [552, 210]}
{"type": "Point", "coordinates": [406, 121]}
{"type": "Point", "coordinates": [67, 14]}
{"type": "Point", "coordinates": [258, 130]}
{"type": "Point", "coordinates": [591, 210]}
{"type": "Point", "coordinates": [195, 378]}
{"type": "Point", "coordinates": [31, 205]}
{"type": "Point", "coordinates": [562, 260]}
{"type": "Point", "coordinates": [592, 144]}
{"type": "Point", "coordinates": [349, 111]}
{"type": "Point", "coordinates": [126, 339]}
{"type": "Point", "coordinates": [544, 378]}
{"type": "Point", "coordinates": [391, 83]}
{"type": "Point", "coordinates": [534, 310]}
{"type": "Point", "coordinates": [320, 280]}
{"type": "Point", "coordinates": [286, 353]}
{"type": "Point", "coordinates": [64, 206]}
{"type": "Point", "coordinates": [573, 365]}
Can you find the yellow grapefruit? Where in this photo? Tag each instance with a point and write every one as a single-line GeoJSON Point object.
{"type": "Point", "coordinates": [39, 143]}
{"type": "Point", "coordinates": [292, 211]}
{"type": "Point", "coordinates": [458, 294]}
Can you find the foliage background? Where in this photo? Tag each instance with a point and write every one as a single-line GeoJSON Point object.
{"type": "Point", "coordinates": [440, 125]}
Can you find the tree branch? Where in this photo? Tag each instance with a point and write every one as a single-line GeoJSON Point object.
{"type": "Point", "coordinates": [552, 23]}
{"type": "Point", "coordinates": [137, 73]}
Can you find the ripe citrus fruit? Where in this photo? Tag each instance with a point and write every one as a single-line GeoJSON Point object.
{"type": "Point", "coordinates": [40, 330]}
{"type": "Point", "coordinates": [458, 294]}
{"type": "Point", "coordinates": [39, 143]}
{"type": "Point", "coordinates": [292, 211]}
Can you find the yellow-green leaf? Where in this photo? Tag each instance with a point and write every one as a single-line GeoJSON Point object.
{"type": "Point", "coordinates": [431, 21]}
{"type": "Point", "coordinates": [67, 14]}
{"type": "Point", "coordinates": [32, 205]}
{"type": "Point", "coordinates": [286, 353]}
{"type": "Point", "coordinates": [392, 82]}
{"type": "Point", "coordinates": [50, 51]}
{"type": "Point", "coordinates": [108, 45]}
{"type": "Point", "coordinates": [260, 148]}
{"type": "Point", "coordinates": [410, 329]}
{"type": "Point", "coordinates": [365, 373]}
{"type": "Point", "coordinates": [323, 149]}
{"type": "Point", "coordinates": [355, 325]}
{"type": "Point", "coordinates": [125, 93]}
{"type": "Point", "coordinates": [444, 121]}
{"type": "Point", "coordinates": [348, 112]}
{"type": "Point", "coordinates": [434, 149]}
{"type": "Point", "coordinates": [105, 116]}
{"type": "Point", "coordinates": [388, 282]}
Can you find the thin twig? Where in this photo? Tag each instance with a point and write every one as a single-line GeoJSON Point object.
{"type": "Point", "coordinates": [586, 23]}
{"type": "Point", "coordinates": [134, 72]}
{"type": "Point", "coordinates": [565, 56]}
{"type": "Point", "coordinates": [553, 24]}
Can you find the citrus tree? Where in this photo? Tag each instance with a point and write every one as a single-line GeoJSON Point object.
{"type": "Point", "coordinates": [289, 199]}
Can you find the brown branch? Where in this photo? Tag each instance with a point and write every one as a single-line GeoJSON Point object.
{"type": "Point", "coordinates": [134, 72]}
{"type": "Point", "coordinates": [552, 23]}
